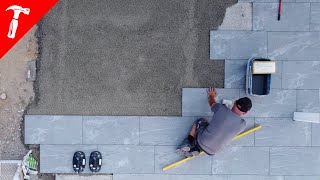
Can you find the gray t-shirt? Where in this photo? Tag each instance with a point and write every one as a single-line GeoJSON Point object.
{"type": "Point", "coordinates": [224, 126]}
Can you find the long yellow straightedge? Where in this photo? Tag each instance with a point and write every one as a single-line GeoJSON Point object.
{"type": "Point", "coordinates": [187, 159]}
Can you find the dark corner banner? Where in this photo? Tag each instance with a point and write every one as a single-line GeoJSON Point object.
{"type": "Point", "coordinates": [17, 17]}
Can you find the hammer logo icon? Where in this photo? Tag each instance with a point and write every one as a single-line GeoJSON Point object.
{"type": "Point", "coordinates": [14, 23]}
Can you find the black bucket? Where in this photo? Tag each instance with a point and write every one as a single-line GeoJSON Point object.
{"type": "Point", "coordinates": [257, 84]}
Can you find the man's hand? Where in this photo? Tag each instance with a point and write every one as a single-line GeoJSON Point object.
{"type": "Point", "coordinates": [212, 93]}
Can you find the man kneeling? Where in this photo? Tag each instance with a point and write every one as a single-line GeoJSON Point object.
{"type": "Point", "coordinates": [225, 125]}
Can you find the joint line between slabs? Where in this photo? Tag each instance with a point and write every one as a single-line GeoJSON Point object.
{"type": "Point", "coordinates": [310, 10]}
{"type": "Point", "coordinates": [139, 130]}
{"type": "Point", "coordinates": [82, 129]}
{"type": "Point", "coordinates": [269, 161]}
{"type": "Point", "coordinates": [311, 135]}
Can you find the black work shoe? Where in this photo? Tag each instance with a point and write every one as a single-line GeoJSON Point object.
{"type": "Point", "coordinates": [185, 146]}
{"type": "Point", "coordinates": [192, 154]}
{"type": "Point", "coordinates": [201, 122]}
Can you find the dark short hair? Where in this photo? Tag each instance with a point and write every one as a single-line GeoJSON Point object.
{"type": "Point", "coordinates": [244, 104]}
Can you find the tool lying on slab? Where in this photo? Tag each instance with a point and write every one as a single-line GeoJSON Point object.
{"type": "Point", "coordinates": [279, 10]}
{"type": "Point", "coordinates": [307, 117]}
{"type": "Point", "coordinates": [189, 158]}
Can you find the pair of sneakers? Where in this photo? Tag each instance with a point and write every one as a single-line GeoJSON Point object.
{"type": "Point", "coordinates": [79, 161]}
{"type": "Point", "coordinates": [188, 148]}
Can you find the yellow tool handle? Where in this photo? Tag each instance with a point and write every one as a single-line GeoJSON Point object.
{"type": "Point", "coordinates": [188, 158]}
{"type": "Point", "coordinates": [247, 132]}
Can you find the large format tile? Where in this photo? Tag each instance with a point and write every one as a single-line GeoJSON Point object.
{"type": "Point", "coordinates": [301, 178]}
{"type": "Point", "coordinates": [238, 17]}
{"type": "Point", "coordinates": [279, 103]}
{"type": "Point", "coordinates": [237, 44]}
{"type": "Point", "coordinates": [282, 132]}
{"type": "Point", "coordinates": [266, 1]}
{"type": "Point", "coordinates": [295, 161]}
{"type": "Point", "coordinates": [308, 101]}
{"type": "Point", "coordinates": [301, 74]}
{"type": "Point", "coordinates": [235, 74]}
{"type": "Point", "coordinates": [77, 177]}
{"type": "Point", "coordinates": [254, 177]}
{"type": "Point", "coordinates": [165, 155]}
{"type": "Point", "coordinates": [195, 100]}
{"type": "Point", "coordinates": [308, 1]}
{"type": "Point", "coordinates": [110, 130]}
{"type": "Point", "coordinates": [58, 158]}
{"type": "Point", "coordinates": [241, 160]}
{"type": "Point", "coordinates": [166, 177]}
{"type": "Point", "coordinates": [247, 140]}
{"type": "Point", "coordinates": [294, 45]}
{"type": "Point", "coordinates": [294, 17]}
{"type": "Point", "coordinates": [315, 17]}
{"type": "Point", "coordinates": [164, 130]}
{"type": "Point", "coordinates": [127, 158]}
{"type": "Point", "coordinates": [42, 129]}
{"type": "Point", "coordinates": [315, 134]}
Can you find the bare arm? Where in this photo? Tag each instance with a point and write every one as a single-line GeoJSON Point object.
{"type": "Point", "coordinates": [212, 93]}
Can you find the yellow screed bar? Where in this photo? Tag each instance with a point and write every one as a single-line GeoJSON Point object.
{"type": "Point", "coordinates": [187, 159]}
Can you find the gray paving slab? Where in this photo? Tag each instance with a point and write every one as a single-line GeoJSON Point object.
{"type": "Point", "coordinates": [164, 130]}
{"type": "Point", "coordinates": [235, 74]}
{"type": "Point", "coordinates": [241, 160]}
{"type": "Point", "coordinates": [238, 17]}
{"type": "Point", "coordinates": [276, 78]}
{"type": "Point", "coordinates": [166, 177]}
{"type": "Point", "coordinates": [298, 1]}
{"type": "Point", "coordinates": [294, 17]}
{"type": "Point", "coordinates": [58, 158]}
{"type": "Point", "coordinates": [254, 177]}
{"type": "Point", "coordinates": [79, 177]}
{"type": "Point", "coordinates": [301, 178]}
{"type": "Point", "coordinates": [165, 155]}
{"type": "Point", "coordinates": [195, 100]}
{"type": "Point", "coordinates": [294, 161]}
{"type": "Point", "coordinates": [247, 140]}
{"type": "Point", "coordinates": [111, 130]}
{"type": "Point", "coordinates": [308, 101]}
{"type": "Point", "coordinates": [42, 129]}
{"type": "Point", "coordinates": [116, 158]}
{"type": "Point", "coordinates": [266, 1]}
{"type": "Point", "coordinates": [237, 44]}
{"type": "Point", "coordinates": [282, 132]}
{"type": "Point", "coordinates": [294, 46]}
{"type": "Point", "coordinates": [315, 17]}
{"type": "Point", "coordinates": [124, 159]}
{"type": "Point", "coordinates": [301, 75]}
{"type": "Point", "coordinates": [315, 134]}
{"type": "Point", "coordinates": [279, 103]}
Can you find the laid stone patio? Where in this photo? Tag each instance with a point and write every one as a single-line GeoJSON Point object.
{"type": "Point", "coordinates": [138, 147]}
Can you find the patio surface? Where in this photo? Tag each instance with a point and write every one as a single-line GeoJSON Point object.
{"type": "Point", "coordinates": [137, 147]}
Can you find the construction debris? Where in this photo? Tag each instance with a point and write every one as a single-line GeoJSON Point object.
{"type": "Point", "coordinates": [307, 117]}
{"type": "Point", "coordinates": [3, 96]}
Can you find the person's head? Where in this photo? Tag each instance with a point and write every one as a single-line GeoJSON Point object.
{"type": "Point", "coordinates": [242, 106]}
